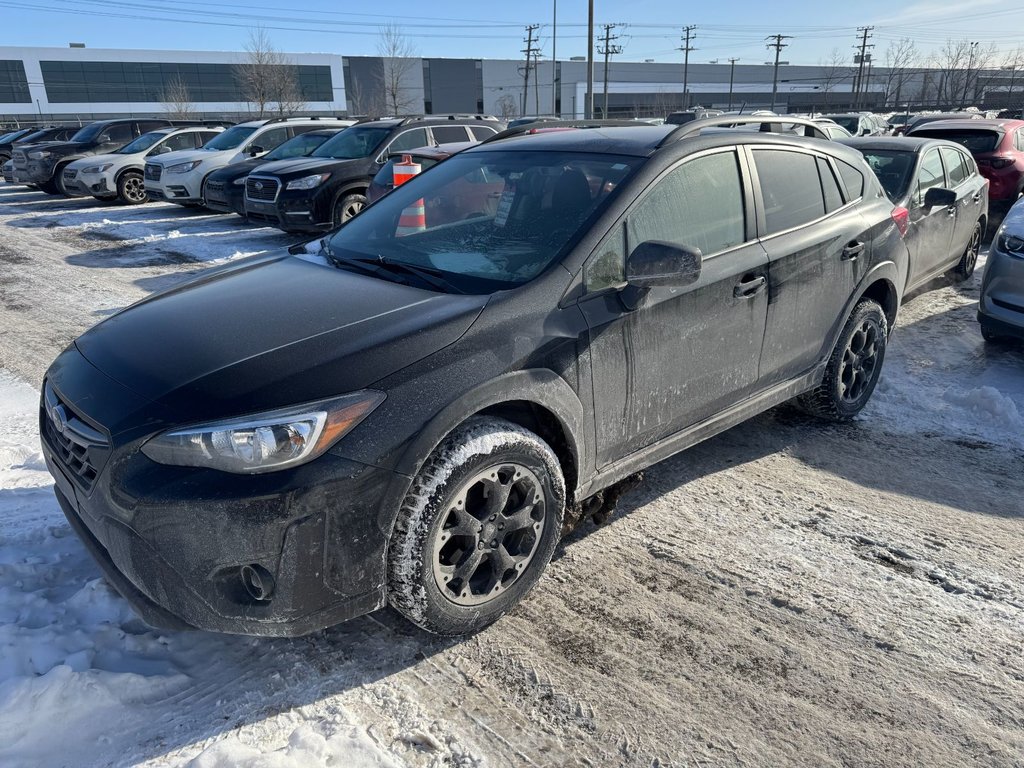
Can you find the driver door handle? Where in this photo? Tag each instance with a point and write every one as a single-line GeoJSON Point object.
{"type": "Point", "coordinates": [750, 287]}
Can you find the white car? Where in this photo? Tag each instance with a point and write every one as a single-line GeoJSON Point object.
{"type": "Point", "coordinates": [119, 174]}
{"type": "Point", "coordinates": [178, 177]}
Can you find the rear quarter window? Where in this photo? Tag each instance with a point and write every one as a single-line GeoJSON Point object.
{"type": "Point", "coordinates": [853, 180]}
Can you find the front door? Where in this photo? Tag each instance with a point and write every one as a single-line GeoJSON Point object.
{"type": "Point", "coordinates": [683, 353]}
{"type": "Point", "coordinates": [930, 233]}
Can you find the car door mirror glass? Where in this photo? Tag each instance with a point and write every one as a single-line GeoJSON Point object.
{"type": "Point", "coordinates": [656, 262]}
{"type": "Point", "coordinates": [938, 196]}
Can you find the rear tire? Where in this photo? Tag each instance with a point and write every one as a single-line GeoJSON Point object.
{"type": "Point", "coordinates": [965, 269]}
{"type": "Point", "coordinates": [853, 368]}
{"type": "Point", "coordinates": [477, 528]}
{"type": "Point", "coordinates": [50, 188]}
{"type": "Point", "coordinates": [989, 335]}
{"type": "Point", "coordinates": [131, 188]}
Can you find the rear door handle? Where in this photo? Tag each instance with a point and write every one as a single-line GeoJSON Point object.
{"type": "Point", "coordinates": [750, 287]}
{"type": "Point", "coordinates": [951, 210]}
{"type": "Point", "coordinates": [976, 198]}
{"type": "Point", "coordinates": [853, 250]}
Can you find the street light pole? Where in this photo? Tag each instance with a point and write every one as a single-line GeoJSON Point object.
{"type": "Point", "coordinates": [588, 113]}
{"type": "Point", "coordinates": [554, 59]}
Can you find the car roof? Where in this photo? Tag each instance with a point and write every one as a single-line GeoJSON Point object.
{"type": "Point", "coordinates": [915, 144]}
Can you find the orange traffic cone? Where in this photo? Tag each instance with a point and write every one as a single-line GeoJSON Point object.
{"type": "Point", "coordinates": [412, 220]}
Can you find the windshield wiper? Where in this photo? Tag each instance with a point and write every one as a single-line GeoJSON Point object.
{"type": "Point", "coordinates": [379, 267]}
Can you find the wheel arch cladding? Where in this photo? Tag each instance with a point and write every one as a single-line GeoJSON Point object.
{"type": "Point", "coordinates": [883, 292]}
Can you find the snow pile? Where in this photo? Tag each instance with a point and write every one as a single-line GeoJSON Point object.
{"type": "Point", "coordinates": [988, 404]}
{"type": "Point", "coordinates": [349, 748]}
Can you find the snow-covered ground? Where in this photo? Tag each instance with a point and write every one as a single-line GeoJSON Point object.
{"type": "Point", "coordinates": [788, 593]}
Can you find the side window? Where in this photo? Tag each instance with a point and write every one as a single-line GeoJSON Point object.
{"type": "Point", "coordinates": [413, 139]}
{"type": "Point", "coordinates": [699, 204]}
{"type": "Point", "coordinates": [930, 174]}
{"type": "Point", "coordinates": [445, 134]}
{"type": "Point", "coordinates": [607, 267]}
{"type": "Point", "coordinates": [145, 126]}
{"type": "Point", "coordinates": [205, 136]}
{"type": "Point", "coordinates": [853, 180]}
{"type": "Point", "coordinates": [117, 134]}
{"type": "Point", "coordinates": [829, 186]}
{"type": "Point", "coordinates": [481, 132]}
{"type": "Point", "coordinates": [298, 130]}
{"type": "Point", "coordinates": [790, 188]}
{"type": "Point", "coordinates": [954, 163]}
{"type": "Point", "coordinates": [269, 139]}
{"type": "Point", "coordinates": [1018, 140]}
{"type": "Point", "coordinates": [179, 141]}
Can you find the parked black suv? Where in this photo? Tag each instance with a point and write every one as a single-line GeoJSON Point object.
{"type": "Point", "coordinates": [43, 164]}
{"type": "Point", "coordinates": [413, 412]}
{"type": "Point", "coordinates": [329, 187]}
{"type": "Point", "coordinates": [8, 139]}
{"type": "Point", "coordinates": [224, 190]}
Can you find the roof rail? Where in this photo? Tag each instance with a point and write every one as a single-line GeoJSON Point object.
{"type": "Point", "coordinates": [694, 127]}
{"type": "Point", "coordinates": [561, 125]}
{"type": "Point", "coordinates": [302, 117]}
{"type": "Point", "coordinates": [453, 116]}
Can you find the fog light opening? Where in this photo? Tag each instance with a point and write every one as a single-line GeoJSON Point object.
{"type": "Point", "coordinates": [258, 582]}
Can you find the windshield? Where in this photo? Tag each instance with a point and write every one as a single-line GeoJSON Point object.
{"type": "Point", "coordinates": [230, 139]}
{"type": "Point", "coordinates": [27, 138]}
{"type": "Point", "coordinates": [299, 146]}
{"type": "Point", "coordinates": [358, 141]}
{"type": "Point", "coordinates": [141, 144]}
{"type": "Point", "coordinates": [89, 133]}
{"type": "Point", "coordinates": [849, 122]}
{"type": "Point", "coordinates": [976, 141]}
{"type": "Point", "coordinates": [485, 221]}
{"type": "Point", "coordinates": [894, 168]}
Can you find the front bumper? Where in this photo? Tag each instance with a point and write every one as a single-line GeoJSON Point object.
{"type": "Point", "coordinates": [1001, 304]}
{"type": "Point", "coordinates": [183, 188]}
{"type": "Point", "coordinates": [37, 171]}
{"type": "Point", "coordinates": [224, 197]}
{"type": "Point", "coordinates": [95, 184]}
{"type": "Point", "coordinates": [173, 540]}
{"type": "Point", "coordinates": [294, 211]}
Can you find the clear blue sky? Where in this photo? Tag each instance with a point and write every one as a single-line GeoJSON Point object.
{"type": "Point", "coordinates": [482, 29]}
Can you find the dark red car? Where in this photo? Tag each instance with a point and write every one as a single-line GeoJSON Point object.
{"type": "Point", "coordinates": [997, 147]}
{"type": "Point", "coordinates": [425, 157]}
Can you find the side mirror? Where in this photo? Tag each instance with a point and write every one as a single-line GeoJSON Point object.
{"type": "Point", "coordinates": [655, 262]}
{"type": "Point", "coordinates": [937, 196]}
{"type": "Point", "coordinates": [256, 150]}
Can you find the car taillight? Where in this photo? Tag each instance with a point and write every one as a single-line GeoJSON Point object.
{"type": "Point", "coordinates": [997, 162]}
{"type": "Point", "coordinates": [901, 216]}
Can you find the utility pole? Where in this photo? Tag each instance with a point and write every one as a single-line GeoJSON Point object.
{"type": "Point", "coordinates": [530, 52]}
{"type": "Point", "coordinates": [588, 111]}
{"type": "Point", "coordinates": [554, 58]}
{"type": "Point", "coordinates": [778, 45]}
{"type": "Point", "coordinates": [732, 72]}
{"type": "Point", "coordinates": [865, 33]}
{"type": "Point", "coordinates": [967, 77]}
{"type": "Point", "coordinates": [688, 36]}
{"type": "Point", "coordinates": [608, 50]}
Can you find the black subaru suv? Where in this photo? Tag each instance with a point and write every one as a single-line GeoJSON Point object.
{"type": "Point", "coordinates": [224, 190]}
{"type": "Point", "coordinates": [329, 187]}
{"type": "Point", "coordinates": [43, 164]}
{"type": "Point", "coordinates": [414, 408]}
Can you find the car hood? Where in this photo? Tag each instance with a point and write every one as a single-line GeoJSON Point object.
{"type": "Point", "coordinates": [85, 162]}
{"type": "Point", "coordinates": [181, 156]}
{"type": "Point", "coordinates": [235, 170]}
{"type": "Point", "coordinates": [303, 165]}
{"type": "Point", "coordinates": [271, 332]}
{"type": "Point", "coordinates": [62, 147]}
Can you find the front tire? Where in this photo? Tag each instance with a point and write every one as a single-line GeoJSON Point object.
{"type": "Point", "coordinates": [131, 188]}
{"type": "Point", "coordinates": [854, 367]}
{"type": "Point", "coordinates": [477, 528]}
{"type": "Point", "coordinates": [348, 207]}
{"type": "Point", "coordinates": [969, 260]}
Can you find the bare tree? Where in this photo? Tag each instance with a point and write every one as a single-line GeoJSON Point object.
{"type": "Point", "coordinates": [399, 57]}
{"type": "Point", "coordinates": [177, 99]}
{"type": "Point", "coordinates": [836, 70]}
{"type": "Point", "coordinates": [1013, 63]}
{"type": "Point", "coordinates": [267, 79]}
{"type": "Point", "coordinates": [363, 101]}
{"type": "Point", "coordinates": [900, 59]}
{"type": "Point", "coordinates": [508, 107]}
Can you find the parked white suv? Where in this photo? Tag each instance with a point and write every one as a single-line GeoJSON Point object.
{"type": "Point", "coordinates": [119, 174]}
{"type": "Point", "coordinates": [178, 177]}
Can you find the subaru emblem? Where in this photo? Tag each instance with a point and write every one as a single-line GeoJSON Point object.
{"type": "Point", "coordinates": [59, 417]}
{"type": "Point", "coordinates": [258, 186]}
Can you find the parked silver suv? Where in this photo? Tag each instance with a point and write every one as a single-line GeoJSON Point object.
{"type": "Point", "coordinates": [1001, 306]}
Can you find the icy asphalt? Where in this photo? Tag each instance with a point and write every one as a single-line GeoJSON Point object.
{"type": "Point", "coordinates": [788, 593]}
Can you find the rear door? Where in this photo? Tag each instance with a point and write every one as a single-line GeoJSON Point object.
{"type": "Point", "coordinates": [817, 251]}
{"type": "Point", "coordinates": [970, 193]}
{"type": "Point", "coordinates": [684, 353]}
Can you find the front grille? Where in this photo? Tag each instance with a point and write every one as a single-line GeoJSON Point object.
{"type": "Point", "coordinates": [19, 155]}
{"type": "Point", "coordinates": [261, 189]}
{"type": "Point", "coordinates": [69, 175]}
{"type": "Point", "coordinates": [80, 449]}
{"type": "Point", "coordinates": [153, 171]}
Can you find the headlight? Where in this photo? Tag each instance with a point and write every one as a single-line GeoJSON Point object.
{"type": "Point", "coordinates": [182, 167]}
{"type": "Point", "coordinates": [308, 182]}
{"type": "Point", "coordinates": [39, 155]}
{"type": "Point", "coordinates": [1012, 244]}
{"type": "Point", "coordinates": [264, 442]}
{"type": "Point", "coordinates": [239, 182]}
{"type": "Point", "coordinates": [97, 168]}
